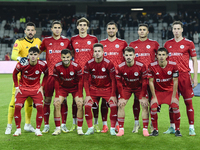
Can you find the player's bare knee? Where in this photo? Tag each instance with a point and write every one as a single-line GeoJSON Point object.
{"type": "Point", "coordinates": [57, 104]}
{"type": "Point", "coordinates": [79, 105]}
{"type": "Point", "coordinates": [174, 106]}
{"type": "Point", "coordinates": [154, 106]}
{"type": "Point", "coordinates": [47, 100]}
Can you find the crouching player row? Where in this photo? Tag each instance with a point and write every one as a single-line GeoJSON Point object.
{"type": "Point", "coordinates": [29, 86]}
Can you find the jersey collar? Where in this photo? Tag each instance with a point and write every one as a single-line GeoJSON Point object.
{"type": "Point", "coordinates": [30, 41]}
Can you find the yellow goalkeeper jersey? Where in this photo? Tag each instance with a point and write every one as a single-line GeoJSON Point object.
{"type": "Point", "coordinates": [22, 46]}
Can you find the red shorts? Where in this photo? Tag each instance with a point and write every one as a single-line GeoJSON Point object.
{"type": "Point", "coordinates": [49, 86]}
{"type": "Point", "coordinates": [165, 97]}
{"type": "Point", "coordinates": [65, 91]}
{"type": "Point", "coordinates": [97, 94]}
{"type": "Point", "coordinates": [128, 93]}
{"type": "Point", "coordinates": [185, 85]}
{"type": "Point", "coordinates": [37, 97]}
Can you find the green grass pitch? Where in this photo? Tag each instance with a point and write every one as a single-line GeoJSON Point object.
{"type": "Point", "coordinates": [97, 141]}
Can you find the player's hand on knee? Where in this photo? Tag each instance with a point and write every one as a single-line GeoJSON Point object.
{"type": "Point", "coordinates": [144, 102]}
{"type": "Point", "coordinates": [17, 91]}
{"type": "Point", "coordinates": [121, 102]}
{"type": "Point", "coordinates": [79, 101]}
{"type": "Point", "coordinates": [23, 61]}
{"type": "Point", "coordinates": [175, 100]}
{"type": "Point", "coordinates": [113, 99]}
{"type": "Point", "coordinates": [87, 99]}
{"type": "Point", "coordinates": [154, 100]}
{"type": "Point", "coordinates": [41, 90]}
{"type": "Point", "coordinates": [56, 101]}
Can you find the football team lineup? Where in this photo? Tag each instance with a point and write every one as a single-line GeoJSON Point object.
{"type": "Point", "coordinates": [111, 70]}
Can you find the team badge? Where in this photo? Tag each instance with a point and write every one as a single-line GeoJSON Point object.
{"type": "Point", "coordinates": [169, 72]}
{"type": "Point", "coordinates": [77, 50]}
{"type": "Point", "coordinates": [136, 73]}
{"type": "Point", "coordinates": [88, 42]}
{"type": "Point", "coordinates": [103, 69]}
{"type": "Point", "coordinates": [148, 46]}
{"type": "Point", "coordinates": [62, 44]}
{"type": "Point", "coordinates": [50, 51]}
{"type": "Point", "coordinates": [117, 46]}
{"type": "Point", "coordinates": [15, 45]}
{"type": "Point", "coordinates": [71, 73]}
{"type": "Point", "coordinates": [182, 46]}
{"type": "Point", "coordinates": [37, 72]}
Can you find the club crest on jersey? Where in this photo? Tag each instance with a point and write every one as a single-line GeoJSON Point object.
{"type": "Point", "coordinates": [136, 73]}
{"type": "Point", "coordinates": [105, 54]}
{"type": "Point", "coordinates": [148, 46]}
{"type": "Point", "coordinates": [62, 44]}
{"type": "Point", "coordinates": [88, 42]}
{"type": "Point", "coordinates": [77, 50]}
{"type": "Point", "coordinates": [71, 73]}
{"type": "Point", "coordinates": [136, 55]}
{"type": "Point", "coordinates": [15, 45]}
{"type": "Point", "coordinates": [50, 51]}
{"type": "Point", "coordinates": [103, 69]}
{"type": "Point", "coordinates": [117, 46]}
{"type": "Point", "coordinates": [169, 72]}
{"type": "Point", "coordinates": [182, 46]}
{"type": "Point", "coordinates": [37, 72]}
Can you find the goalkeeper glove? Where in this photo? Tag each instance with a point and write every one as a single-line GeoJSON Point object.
{"type": "Point", "coordinates": [23, 60]}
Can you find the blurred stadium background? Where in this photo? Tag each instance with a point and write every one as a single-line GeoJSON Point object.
{"type": "Point", "coordinates": [126, 13]}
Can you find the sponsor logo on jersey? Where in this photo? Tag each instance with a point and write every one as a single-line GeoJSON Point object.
{"type": "Point", "coordinates": [175, 54]}
{"type": "Point", "coordinates": [131, 80]}
{"type": "Point", "coordinates": [99, 77]}
{"type": "Point", "coordinates": [103, 69]}
{"type": "Point", "coordinates": [136, 73]}
{"type": "Point", "coordinates": [110, 53]}
{"type": "Point", "coordinates": [76, 43]}
{"type": "Point", "coordinates": [37, 72]}
{"type": "Point", "coordinates": [50, 51]}
{"type": "Point", "coordinates": [93, 69]}
{"type": "Point", "coordinates": [71, 73]}
{"type": "Point", "coordinates": [148, 46]}
{"type": "Point", "coordinates": [117, 46]}
{"type": "Point", "coordinates": [50, 43]}
{"type": "Point", "coordinates": [182, 46]}
{"type": "Point", "coordinates": [15, 45]}
{"type": "Point", "coordinates": [83, 50]}
{"type": "Point", "coordinates": [88, 42]}
{"type": "Point", "coordinates": [30, 78]}
{"type": "Point", "coordinates": [169, 72]}
{"type": "Point", "coordinates": [142, 54]}
{"type": "Point", "coordinates": [163, 80]}
{"type": "Point", "coordinates": [62, 44]}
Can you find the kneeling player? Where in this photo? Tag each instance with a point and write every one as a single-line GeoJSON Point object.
{"type": "Point", "coordinates": [131, 78]}
{"type": "Point", "coordinates": [29, 86]}
{"type": "Point", "coordinates": [68, 75]}
{"type": "Point", "coordinates": [102, 84]}
{"type": "Point", "coordinates": [163, 82]}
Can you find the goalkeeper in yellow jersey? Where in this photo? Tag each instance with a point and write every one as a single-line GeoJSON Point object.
{"type": "Point", "coordinates": [19, 53]}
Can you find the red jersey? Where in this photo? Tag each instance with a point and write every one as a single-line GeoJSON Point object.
{"type": "Point", "coordinates": [30, 75]}
{"type": "Point", "coordinates": [180, 52]}
{"type": "Point", "coordinates": [53, 50]}
{"type": "Point", "coordinates": [145, 51]}
{"type": "Point", "coordinates": [83, 48]}
{"type": "Point", "coordinates": [114, 50]}
{"type": "Point", "coordinates": [69, 77]}
{"type": "Point", "coordinates": [102, 76]}
{"type": "Point", "coordinates": [132, 78]}
{"type": "Point", "coordinates": [163, 77]}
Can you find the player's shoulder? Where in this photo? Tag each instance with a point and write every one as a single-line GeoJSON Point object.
{"type": "Point", "coordinates": [74, 64]}
{"type": "Point", "coordinates": [64, 37]}
{"type": "Point", "coordinates": [121, 40]}
{"type": "Point", "coordinates": [106, 60]}
{"type": "Point", "coordinates": [139, 63]}
{"type": "Point", "coordinates": [103, 40]}
{"type": "Point", "coordinates": [172, 63]}
{"type": "Point", "coordinates": [48, 38]}
{"type": "Point", "coordinates": [92, 36]}
{"type": "Point", "coordinates": [37, 39]}
{"type": "Point", "coordinates": [170, 40]}
{"type": "Point", "coordinates": [133, 42]}
{"type": "Point", "coordinates": [91, 60]}
{"type": "Point", "coordinates": [19, 40]}
{"type": "Point", "coordinates": [154, 63]}
{"type": "Point", "coordinates": [187, 40]}
{"type": "Point", "coordinates": [40, 62]}
{"type": "Point", "coordinates": [152, 41]}
{"type": "Point", "coordinates": [122, 64]}
{"type": "Point", "coordinates": [74, 36]}
{"type": "Point", "coordinates": [58, 64]}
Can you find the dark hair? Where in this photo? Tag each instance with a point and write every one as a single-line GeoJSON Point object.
{"type": "Point", "coordinates": [177, 22]}
{"type": "Point", "coordinates": [97, 45]}
{"type": "Point", "coordinates": [83, 19]}
{"type": "Point", "coordinates": [112, 23]}
{"type": "Point", "coordinates": [34, 49]}
{"type": "Point", "coordinates": [30, 24]}
{"type": "Point", "coordinates": [56, 22]}
{"type": "Point", "coordinates": [143, 25]}
{"type": "Point", "coordinates": [129, 49]}
{"type": "Point", "coordinates": [66, 51]}
{"type": "Point", "coordinates": [162, 49]}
